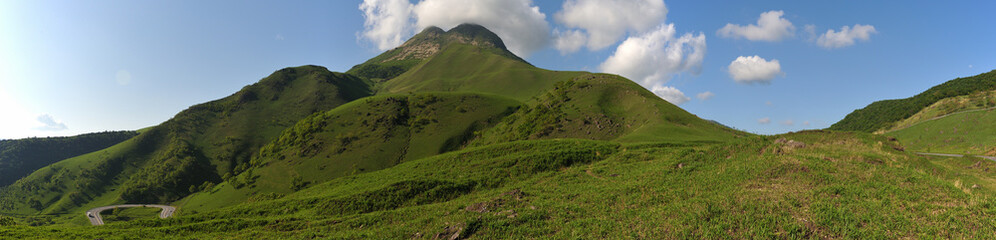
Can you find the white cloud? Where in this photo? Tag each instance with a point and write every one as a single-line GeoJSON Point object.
{"type": "Point", "coordinates": [606, 21]}
{"type": "Point", "coordinates": [764, 120]}
{"type": "Point", "coordinates": [770, 27]}
{"type": "Point", "coordinates": [386, 22]}
{"type": "Point", "coordinates": [651, 59]}
{"type": "Point", "coordinates": [754, 69]}
{"type": "Point", "coordinates": [670, 94]}
{"type": "Point", "coordinates": [846, 36]}
{"type": "Point", "coordinates": [279, 37]}
{"type": "Point", "coordinates": [788, 122]}
{"type": "Point", "coordinates": [520, 25]}
{"type": "Point", "coordinates": [122, 77]}
{"type": "Point", "coordinates": [705, 95]}
{"type": "Point", "coordinates": [49, 124]}
{"type": "Point", "coordinates": [568, 41]}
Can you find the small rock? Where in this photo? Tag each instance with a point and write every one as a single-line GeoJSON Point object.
{"type": "Point", "coordinates": [974, 186]}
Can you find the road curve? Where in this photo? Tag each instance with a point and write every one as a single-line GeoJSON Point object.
{"type": "Point", "coordinates": [96, 220]}
{"type": "Point", "coordinates": [955, 155]}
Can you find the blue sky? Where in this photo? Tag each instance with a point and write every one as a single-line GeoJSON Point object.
{"type": "Point", "coordinates": [69, 67]}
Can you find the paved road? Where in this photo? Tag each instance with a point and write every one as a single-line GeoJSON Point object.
{"type": "Point", "coordinates": [96, 220]}
{"type": "Point", "coordinates": [955, 155]}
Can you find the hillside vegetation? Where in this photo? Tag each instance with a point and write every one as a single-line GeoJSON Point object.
{"type": "Point", "coordinates": [198, 146]}
{"type": "Point", "coordinates": [956, 125]}
{"type": "Point", "coordinates": [800, 185]}
{"type": "Point", "coordinates": [363, 136]}
{"type": "Point", "coordinates": [972, 102]}
{"type": "Point", "coordinates": [971, 132]}
{"type": "Point", "coordinates": [885, 114]}
{"type": "Point", "coordinates": [20, 157]}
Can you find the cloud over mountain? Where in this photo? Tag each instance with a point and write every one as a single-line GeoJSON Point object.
{"type": "Point", "coordinates": [754, 69]}
{"type": "Point", "coordinates": [650, 59]}
{"type": "Point", "coordinates": [770, 27]}
{"type": "Point", "coordinates": [670, 94]}
{"type": "Point", "coordinates": [518, 22]}
{"type": "Point", "coordinates": [386, 22]}
{"type": "Point", "coordinates": [600, 23]}
{"type": "Point", "coordinates": [49, 124]}
{"type": "Point", "coordinates": [764, 120]}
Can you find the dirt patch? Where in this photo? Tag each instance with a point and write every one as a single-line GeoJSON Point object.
{"type": "Point", "coordinates": [495, 204]}
{"type": "Point", "coordinates": [450, 232]}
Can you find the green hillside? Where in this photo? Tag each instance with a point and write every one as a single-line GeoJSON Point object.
{"type": "Point", "coordinates": [982, 100]}
{"type": "Point", "coordinates": [971, 132]}
{"type": "Point", "coordinates": [363, 136]}
{"type": "Point", "coordinates": [198, 146]}
{"type": "Point", "coordinates": [604, 107]}
{"type": "Point", "coordinates": [800, 185]}
{"type": "Point", "coordinates": [884, 114]}
{"type": "Point", "coordinates": [956, 125]}
{"type": "Point", "coordinates": [20, 157]}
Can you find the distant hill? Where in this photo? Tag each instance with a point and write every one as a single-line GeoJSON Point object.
{"type": "Point", "coordinates": [884, 114]}
{"type": "Point", "coordinates": [959, 125]}
{"type": "Point", "coordinates": [20, 157]}
{"type": "Point", "coordinates": [199, 145]}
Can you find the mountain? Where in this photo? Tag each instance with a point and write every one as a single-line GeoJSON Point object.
{"type": "Point", "coordinates": [427, 44]}
{"type": "Point", "coordinates": [469, 93]}
{"type": "Point", "coordinates": [20, 157]}
{"type": "Point", "coordinates": [884, 114]}
{"type": "Point", "coordinates": [198, 146]}
{"type": "Point", "coordinates": [449, 136]}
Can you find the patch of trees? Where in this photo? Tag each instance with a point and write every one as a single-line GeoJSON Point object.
{"type": "Point", "coordinates": [170, 176]}
{"type": "Point", "coordinates": [885, 113]}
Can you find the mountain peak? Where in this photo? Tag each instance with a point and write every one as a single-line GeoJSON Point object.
{"type": "Point", "coordinates": [432, 39]}
{"type": "Point", "coordinates": [428, 43]}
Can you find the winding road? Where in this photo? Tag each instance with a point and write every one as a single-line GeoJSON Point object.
{"type": "Point", "coordinates": [96, 220]}
{"type": "Point", "coordinates": [954, 155]}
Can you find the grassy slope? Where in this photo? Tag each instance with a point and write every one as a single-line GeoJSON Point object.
{"type": "Point", "coordinates": [365, 135]}
{"type": "Point", "coordinates": [467, 68]}
{"type": "Point", "coordinates": [884, 114]}
{"type": "Point", "coordinates": [959, 133]}
{"type": "Point", "coordinates": [974, 101]}
{"type": "Point", "coordinates": [200, 144]}
{"type": "Point", "coordinates": [959, 125]}
{"type": "Point", "coordinates": [20, 157]}
{"type": "Point", "coordinates": [604, 107]}
{"type": "Point", "coordinates": [840, 185]}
